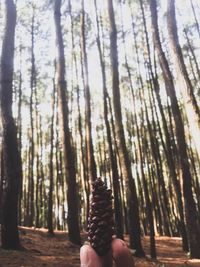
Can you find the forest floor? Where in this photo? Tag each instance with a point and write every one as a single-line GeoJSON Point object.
{"type": "Point", "coordinates": [41, 250]}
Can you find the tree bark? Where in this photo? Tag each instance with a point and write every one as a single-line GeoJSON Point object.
{"type": "Point", "coordinates": [85, 178]}
{"type": "Point", "coordinates": [92, 172]}
{"type": "Point", "coordinates": [11, 157]}
{"type": "Point", "coordinates": [193, 58]}
{"type": "Point", "coordinates": [195, 17]}
{"type": "Point", "coordinates": [192, 222]}
{"type": "Point", "coordinates": [51, 170]}
{"type": "Point", "coordinates": [31, 192]}
{"type": "Point", "coordinates": [113, 160]}
{"type": "Point", "coordinates": [73, 225]}
{"type": "Point", "coordinates": [1, 182]}
{"type": "Point", "coordinates": [19, 127]}
{"type": "Point", "coordinates": [132, 201]}
{"type": "Point", "coordinates": [190, 102]}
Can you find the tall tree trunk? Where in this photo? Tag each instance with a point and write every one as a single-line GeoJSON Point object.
{"type": "Point", "coordinates": [190, 102]}
{"type": "Point", "coordinates": [85, 178]}
{"type": "Point", "coordinates": [51, 168]}
{"type": "Point", "coordinates": [132, 201]}
{"type": "Point", "coordinates": [73, 225]}
{"type": "Point", "coordinates": [154, 193]}
{"type": "Point", "coordinates": [31, 214]}
{"type": "Point", "coordinates": [58, 182]}
{"type": "Point", "coordinates": [1, 181]}
{"type": "Point", "coordinates": [172, 169]}
{"type": "Point", "coordinates": [92, 172]}
{"type": "Point", "coordinates": [192, 51]}
{"type": "Point", "coordinates": [148, 208]}
{"type": "Point", "coordinates": [195, 17]}
{"type": "Point", "coordinates": [37, 161]}
{"type": "Point", "coordinates": [192, 222]}
{"type": "Point", "coordinates": [112, 156]}
{"type": "Point", "coordinates": [122, 191]}
{"type": "Point", "coordinates": [37, 208]}
{"type": "Point", "coordinates": [12, 167]}
{"type": "Point", "coordinates": [19, 127]}
{"type": "Point", "coordinates": [42, 194]}
{"type": "Point", "coordinates": [149, 211]}
{"type": "Point", "coordinates": [161, 183]}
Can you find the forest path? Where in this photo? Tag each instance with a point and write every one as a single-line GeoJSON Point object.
{"type": "Point", "coordinates": [41, 250]}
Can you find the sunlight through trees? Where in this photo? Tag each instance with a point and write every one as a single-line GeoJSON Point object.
{"type": "Point", "coordinates": [108, 90]}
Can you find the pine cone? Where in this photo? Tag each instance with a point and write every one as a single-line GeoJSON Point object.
{"type": "Point", "coordinates": [100, 222]}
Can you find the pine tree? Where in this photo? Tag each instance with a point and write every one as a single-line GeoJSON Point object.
{"type": "Point", "coordinates": [12, 168]}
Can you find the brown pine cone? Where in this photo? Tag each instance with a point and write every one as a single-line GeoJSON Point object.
{"type": "Point", "coordinates": [100, 221]}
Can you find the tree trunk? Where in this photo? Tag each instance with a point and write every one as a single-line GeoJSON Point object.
{"type": "Point", "coordinates": [92, 172]}
{"type": "Point", "coordinates": [1, 182]}
{"type": "Point", "coordinates": [11, 157]}
{"type": "Point", "coordinates": [51, 169]}
{"type": "Point", "coordinates": [85, 178]}
{"type": "Point", "coordinates": [19, 127]}
{"type": "Point", "coordinates": [195, 17]}
{"type": "Point", "coordinates": [113, 160]}
{"type": "Point", "coordinates": [31, 193]}
{"type": "Point", "coordinates": [190, 102]}
{"type": "Point", "coordinates": [193, 58]}
{"type": "Point", "coordinates": [132, 201]}
{"type": "Point", "coordinates": [73, 225]}
{"type": "Point", "coordinates": [149, 211]}
{"type": "Point", "coordinates": [192, 222]}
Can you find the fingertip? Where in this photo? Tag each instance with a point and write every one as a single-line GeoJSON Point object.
{"type": "Point", "coordinates": [84, 255]}
{"type": "Point", "coordinates": [84, 248]}
{"type": "Point", "coordinates": [88, 257]}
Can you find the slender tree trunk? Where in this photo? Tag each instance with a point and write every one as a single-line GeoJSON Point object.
{"type": "Point", "coordinates": [190, 102]}
{"type": "Point", "coordinates": [85, 178]}
{"type": "Point", "coordinates": [59, 173]}
{"type": "Point", "coordinates": [92, 172]}
{"type": "Point", "coordinates": [32, 141]}
{"type": "Point", "coordinates": [133, 210]}
{"type": "Point", "coordinates": [42, 192]}
{"type": "Point", "coordinates": [27, 187]}
{"type": "Point", "coordinates": [195, 17]}
{"type": "Point", "coordinates": [12, 168]}
{"type": "Point", "coordinates": [192, 222]}
{"type": "Point", "coordinates": [149, 210]}
{"type": "Point", "coordinates": [37, 208]}
{"type": "Point", "coordinates": [112, 156]}
{"type": "Point", "coordinates": [51, 170]}
{"type": "Point", "coordinates": [19, 127]}
{"type": "Point", "coordinates": [1, 182]}
{"type": "Point", "coordinates": [37, 161]}
{"type": "Point", "coordinates": [192, 51]}
{"type": "Point", "coordinates": [154, 193]}
{"type": "Point", "coordinates": [196, 179]}
{"type": "Point", "coordinates": [156, 156]}
{"type": "Point", "coordinates": [171, 164]}
{"type": "Point", "coordinates": [73, 225]}
{"type": "Point", "coordinates": [122, 191]}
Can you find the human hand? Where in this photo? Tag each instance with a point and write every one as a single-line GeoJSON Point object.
{"type": "Point", "coordinates": [119, 254]}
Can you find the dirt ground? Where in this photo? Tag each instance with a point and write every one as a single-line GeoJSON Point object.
{"type": "Point", "coordinates": [41, 250]}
